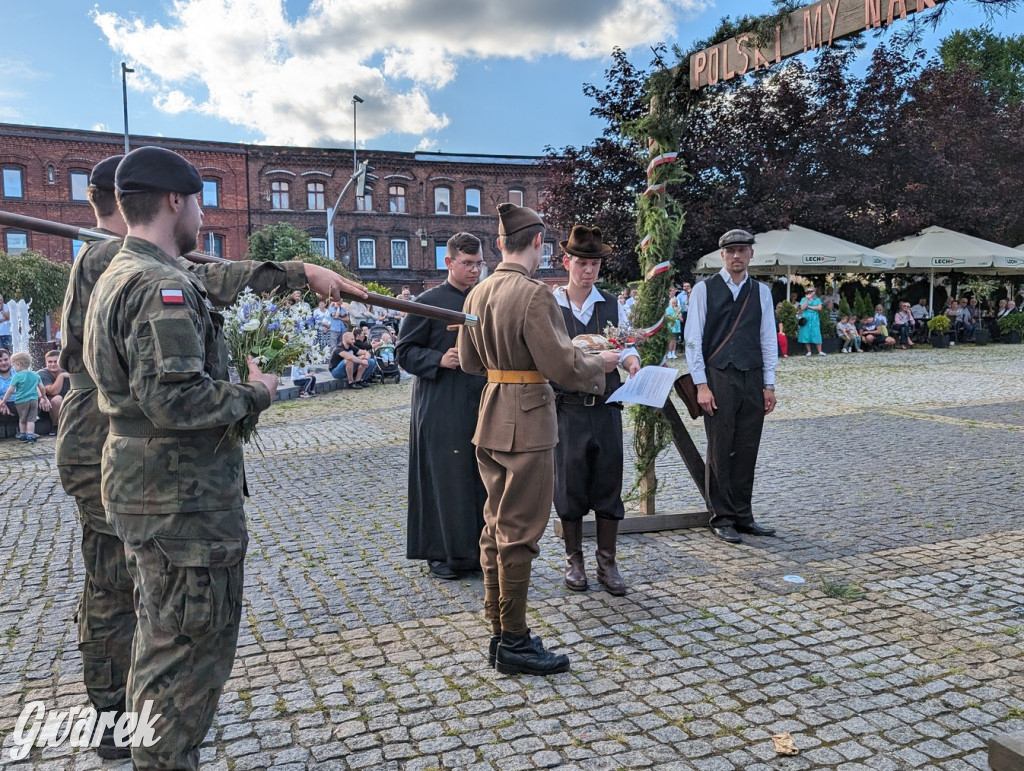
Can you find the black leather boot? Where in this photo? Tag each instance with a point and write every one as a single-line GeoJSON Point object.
{"type": "Point", "coordinates": [525, 655]}
{"type": "Point", "coordinates": [575, 575]}
{"type": "Point", "coordinates": [607, 573]}
{"type": "Point", "coordinates": [107, 748]}
{"type": "Point", "coordinates": [492, 648]}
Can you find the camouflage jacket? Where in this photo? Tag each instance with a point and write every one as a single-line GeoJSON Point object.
{"type": "Point", "coordinates": [156, 352]}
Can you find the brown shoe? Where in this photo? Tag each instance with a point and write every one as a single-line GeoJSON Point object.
{"type": "Point", "coordinates": [607, 572]}
{"type": "Point", "coordinates": [575, 575]}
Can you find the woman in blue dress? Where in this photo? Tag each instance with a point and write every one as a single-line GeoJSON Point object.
{"type": "Point", "coordinates": [810, 330]}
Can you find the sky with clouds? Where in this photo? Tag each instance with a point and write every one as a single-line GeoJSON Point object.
{"type": "Point", "coordinates": [470, 76]}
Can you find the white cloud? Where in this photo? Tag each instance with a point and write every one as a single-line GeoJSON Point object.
{"type": "Point", "coordinates": [100, 127]}
{"type": "Point", "coordinates": [292, 80]}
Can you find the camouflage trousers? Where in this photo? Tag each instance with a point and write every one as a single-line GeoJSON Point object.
{"type": "Point", "coordinates": [106, 609]}
{"type": "Point", "coordinates": [188, 573]}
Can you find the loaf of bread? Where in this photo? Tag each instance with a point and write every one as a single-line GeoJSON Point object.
{"type": "Point", "coordinates": [592, 343]}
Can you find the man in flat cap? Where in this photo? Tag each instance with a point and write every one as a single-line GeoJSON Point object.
{"type": "Point", "coordinates": [171, 486]}
{"type": "Point", "coordinates": [588, 457]}
{"type": "Point", "coordinates": [731, 353]}
{"type": "Point", "coordinates": [520, 345]}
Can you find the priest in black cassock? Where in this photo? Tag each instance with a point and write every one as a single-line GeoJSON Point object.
{"type": "Point", "coordinates": [446, 496]}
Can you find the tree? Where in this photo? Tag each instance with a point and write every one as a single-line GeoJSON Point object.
{"type": "Point", "coordinates": [596, 185]}
{"type": "Point", "coordinates": [279, 243]}
{"type": "Point", "coordinates": [30, 276]}
{"type": "Point", "coordinates": [997, 62]}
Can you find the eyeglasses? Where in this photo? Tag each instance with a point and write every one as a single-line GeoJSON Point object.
{"type": "Point", "coordinates": [470, 264]}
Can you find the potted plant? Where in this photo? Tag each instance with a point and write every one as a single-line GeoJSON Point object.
{"type": "Point", "coordinates": [1011, 327]}
{"type": "Point", "coordinates": [939, 326]}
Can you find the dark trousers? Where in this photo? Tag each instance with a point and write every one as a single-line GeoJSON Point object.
{"type": "Point", "coordinates": [588, 462]}
{"type": "Point", "coordinates": [734, 434]}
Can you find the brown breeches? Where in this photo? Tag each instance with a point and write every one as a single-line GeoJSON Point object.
{"type": "Point", "coordinates": [520, 486]}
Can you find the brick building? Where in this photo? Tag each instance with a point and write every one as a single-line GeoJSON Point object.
{"type": "Point", "coordinates": [393, 231]}
{"type": "Point", "coordinates": [45, 172]}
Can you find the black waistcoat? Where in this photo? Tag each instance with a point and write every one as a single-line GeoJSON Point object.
{"type": "Point", "coordinates": [743, 350]}
{"type": "Point", "coordinates": [604, 314]}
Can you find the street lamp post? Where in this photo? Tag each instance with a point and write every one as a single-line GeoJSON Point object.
{"type": "Point", "coordinates": [355, 165]}
{"type": "Point", "coordinates": [125, 69]}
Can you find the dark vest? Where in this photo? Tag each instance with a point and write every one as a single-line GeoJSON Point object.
{"type": "Point", "coordinates": [604, 314]}
{"type": "Point", "coordinates": [743, 351]}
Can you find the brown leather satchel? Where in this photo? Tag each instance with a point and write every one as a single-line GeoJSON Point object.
{"type": "Point", "coordinates": [686, 389]}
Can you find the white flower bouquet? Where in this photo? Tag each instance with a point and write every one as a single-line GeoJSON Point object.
{"type": "Point", "coordinates": [277, 332]}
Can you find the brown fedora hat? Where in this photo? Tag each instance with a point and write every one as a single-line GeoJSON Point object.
{"type": "Point", "coordinates": [585, 242]}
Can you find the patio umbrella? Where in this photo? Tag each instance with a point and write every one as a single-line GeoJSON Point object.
{"type": "Point", "coordinates": [945, 250]}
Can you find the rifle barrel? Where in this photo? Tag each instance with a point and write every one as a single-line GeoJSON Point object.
{"type": "Point", "coordinates": [384, 301]}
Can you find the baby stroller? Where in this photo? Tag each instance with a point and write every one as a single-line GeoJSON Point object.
{"type": "Point", "coordinates": [382, 341]}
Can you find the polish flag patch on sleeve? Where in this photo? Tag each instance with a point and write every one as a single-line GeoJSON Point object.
{"type": "Point", "coordinates": [172, 296]}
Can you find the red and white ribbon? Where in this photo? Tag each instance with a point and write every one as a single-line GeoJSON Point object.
{"type": "Point", "coordinates": [652, 330]}
{"type": "Point", "coordinates": [645, 243]}
{"type": "Point", "coordinates": [661, 267]}
{"type": "Point", "coordinates": [654, 190]}
{"type": "Point", "coordinates": [660, 159]}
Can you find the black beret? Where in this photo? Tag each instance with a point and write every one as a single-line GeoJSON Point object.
{"type": "Point", "coordinates": [734, 237]}
{"type": "Point", "coordinates": [102, 175]}
{"type": "Point", "coordinates": [512, 218]}
{"type": "Point", "coordinates": [154, 168]}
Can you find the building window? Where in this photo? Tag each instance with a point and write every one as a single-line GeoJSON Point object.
{"type": "Point", "coordinates": [396, 199]}
{"type": "Point", "coordinates": [15, 242]}
{"type": "Point", "coordinates": [442, 200]}
{"type": "Point", "coordinates": [76, 247]}
{"type": "Point", "coordinates": [549, 251]}
{"type": "Point", "coordinates": [515, 196]}
{"type": "Point", "coordinates": [364, 202]}
{"type": "Point", "coordinates": [211, 194]}
{"type": "Point", "coordinates": [213, 244]}
{"type": "Point", "coordinates": [367, 253]}
{"type": "Point", "coordinates": [399, 253]}
{"type": "Point", "coordinates": [440, 252]}
{"type": "Point", "coordinates": [472, 200]}
{"type": "Point", "coordinates": [79, 183]}
{"type": "Point", "coordinates": [319, 246]}
{"type": "Point", "coordinates": [279, 195]}
{"type": "Point", "coordinates": [315, 196]}
{"type": "Point", "coordinates": [51, 175]}
{"type": "Point", "coordinates": [12, 182]}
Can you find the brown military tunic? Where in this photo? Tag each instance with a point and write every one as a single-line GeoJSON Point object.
{"type": "Point", "coordinates": [521, 328]}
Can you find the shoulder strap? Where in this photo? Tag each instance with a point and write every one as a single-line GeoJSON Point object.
{"type": "Point", "coordinates": [737, 321]}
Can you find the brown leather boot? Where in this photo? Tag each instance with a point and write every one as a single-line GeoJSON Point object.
{"type": "Point", "coordinates": [607, 573]}
{"type": "Point", "coordinates": [575, 575]}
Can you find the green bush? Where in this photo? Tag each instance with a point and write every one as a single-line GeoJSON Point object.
{"type": "Point", "coordinates": [1012, 322]}
{"type": "Point", "coordinates": [373, 286]}
{"type": "Point", "coordinates": [828, 327]}
{"type": "Point", "coordinates": [844, 307]}
{"type": "Point", "coordinates": [787, 317]}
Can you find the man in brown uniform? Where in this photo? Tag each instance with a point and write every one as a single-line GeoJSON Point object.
{"type": "Point", "coordinates": [520, 344]}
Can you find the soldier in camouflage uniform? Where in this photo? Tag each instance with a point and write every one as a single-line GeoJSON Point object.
{"type": "Point", "coordinates": [172, 480]}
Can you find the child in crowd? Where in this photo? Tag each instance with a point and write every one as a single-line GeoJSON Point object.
{"type": "Point", "coordinates": [27, 390]}
{"type": "Point", "coordinates": [881, 320]}
{"type": "Point", "coordinates": [306, 382]}
{"type": "Point", "coordinates": [847, 332]}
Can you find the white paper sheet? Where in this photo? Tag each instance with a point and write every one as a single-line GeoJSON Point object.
{"type": "Point", "coordinates": [650, 387]}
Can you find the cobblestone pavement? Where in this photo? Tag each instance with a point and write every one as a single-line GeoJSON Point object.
{"type": "Point", "coordinates": [895, 482]}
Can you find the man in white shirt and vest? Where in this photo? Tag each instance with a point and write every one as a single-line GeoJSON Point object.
{"type": "Point", "coordinates": [731, 351]}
